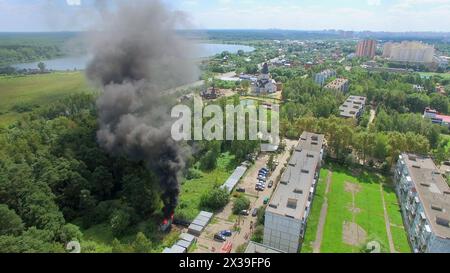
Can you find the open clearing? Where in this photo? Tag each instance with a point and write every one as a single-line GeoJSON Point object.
{"type": "Point", "coordinates": [37, 90]}
{"type": "Point", "coordinates": [354, 214]}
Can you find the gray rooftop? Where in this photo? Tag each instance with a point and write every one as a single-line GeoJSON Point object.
{"type": "Point", "coordinates": [234, 178]}
{"type": "Point", "coordinates": [433, 191]}
{"type": "Point", "coordinates": [187, 237]}
{"type": "Point", "coordinates": [351, 107]}
{"type": "Point", "coordinates": [184, 244]}
{"type": "Point", "coordinates": [175, 249]}
{"type": "Point", "coordinates": [254, 247]}
{"type": "Point", "coordinates": [291, 195]}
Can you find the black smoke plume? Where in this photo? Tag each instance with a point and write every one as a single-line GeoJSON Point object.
{"type": "Point", "coordinates": [137, 55]}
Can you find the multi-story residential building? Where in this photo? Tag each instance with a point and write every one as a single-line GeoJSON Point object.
{"type": "Point", "coordinates": [366, 48]}
{"type": "Point", "coordinates": [412, 52]}
{"type": "Point", "coordinates": [424, 198]}
{"type": "Point", "coordinates": [353, 107]}
{"type": "Point", "coordinates": [340, 84]}
{"type": "Point", "coordinates": [436, 117]}
{"type": "Point", "coordinates": [287, 213]}
{"type": "Point", "coordinates": [320, 78]}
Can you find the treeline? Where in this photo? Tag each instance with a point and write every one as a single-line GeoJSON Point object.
{"type": "Point", "coordinates": [52, 174]}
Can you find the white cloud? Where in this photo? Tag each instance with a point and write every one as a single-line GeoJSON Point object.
{"type": "Point", "coordinates": [73, 2]}
{"type": "Point", "coordinates": [374, 2]}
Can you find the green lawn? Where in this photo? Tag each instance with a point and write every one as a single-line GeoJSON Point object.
{"type": "Point", "coordinates": [192, 190]}
{"type": "Point", "coordinates": [313, 220]}
{"type": "Point", "coordinates": [429, 74]}
{"type": "Point", "coordinates": [36, 90]}
{"type": "Point", "coordinates": [369, 213]}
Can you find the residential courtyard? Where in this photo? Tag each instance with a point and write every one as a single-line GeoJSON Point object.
{"type": "Point", "coordinates": [351, 209]}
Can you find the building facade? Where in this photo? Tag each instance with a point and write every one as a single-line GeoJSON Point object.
{"type": "Point", "coordinates": [436, 117]}
{"type": "Point", "coordinates": [320, 78]}
{"type": "Point", "coordinates": [288, 210]}
{"type": "Point", "coordinates": [411, 52]}
{"type": "Point", "coordinates": [424, 198]}
{"type": "Point", "coordinates": [366, 48]}
{"type": "Point", "coordinates": [265, 84]}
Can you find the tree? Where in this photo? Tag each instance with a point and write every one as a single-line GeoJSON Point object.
{"type": "Point", "coordinates": [140, 189]}
{"type": "Point", "coordinates": [440, 103]}
{"type": "Point", "coordinates": [119, 221]}
{"type": "Point", "coordinates": [141, 244]}
{"type": "Point", "coordinates": [271, 162]}
{"type": "Point", "coordinates": [215, 199]}
{"type": "Point", "coordinates": [10, 222]}
{"type": "Point", "coordinates": [41, 67]}
{"type": "Point", "coordinates": [241, 203]}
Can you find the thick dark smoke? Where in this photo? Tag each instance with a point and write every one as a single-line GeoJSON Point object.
{"type": "Point", "coordinates": [136, 57]}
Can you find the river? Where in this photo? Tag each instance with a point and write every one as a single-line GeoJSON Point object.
{"type": "Point", "coordinates": [80, 62]}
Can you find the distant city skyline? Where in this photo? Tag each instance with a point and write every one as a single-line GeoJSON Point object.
{"type": "Point", "coordinates": [351, 15]}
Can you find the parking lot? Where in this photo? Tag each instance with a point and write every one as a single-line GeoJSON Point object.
{"type": "Point", "coordinates": [225, 220]}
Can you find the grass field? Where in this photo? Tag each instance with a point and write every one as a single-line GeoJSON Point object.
{"type": "Point", "coordinates": [36, 90]}
{"type": "Point", "coordinates": [355, 213]}
{"type": "Point", "coordinates": [313, 220]}
{"type": "Point", "coordinates": [429, 74]}
{"type": "Point", "coordinates": [192, 190]}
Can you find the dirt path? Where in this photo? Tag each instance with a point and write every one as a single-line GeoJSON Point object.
{"type": "Point", "coordinates": [386, 220]}
{"type": "Point", "coordinates": [372, 117]}
{"type": "Point", "coordinates": [323, 216]}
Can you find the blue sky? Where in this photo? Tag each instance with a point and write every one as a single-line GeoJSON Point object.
{"type": "Point", "coordinates": [387, 15]}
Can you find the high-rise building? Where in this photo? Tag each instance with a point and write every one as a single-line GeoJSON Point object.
{"type": "Point", "coordinates": [366, 48]}
{"type": "Point", "coordinates": [413, 52]}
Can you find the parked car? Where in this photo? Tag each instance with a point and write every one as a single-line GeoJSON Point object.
{"type": "Point", "coordinates": [258, 188]}
{"type": "Point", "coordinates": [266, 200]}
{"type": "Point", "coordinates": [262, 178]}
{"type": "Point", "coordinates": [270, 184]}
{"type": "Point", "coordinates": [219, 237]}
{"type": "Point", "coordinates": [240, 189]}
{"type": "Point", "coordinates": [245, 212]}
{"type": "Point", "coordinates": [226, 233]}
{"type": "Point", "coordinates": [255, 212]}
{"type": "Point", "coordinates": [265, 169]}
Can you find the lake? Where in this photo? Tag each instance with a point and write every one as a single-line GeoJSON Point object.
{"type": "Point", "coordinates": [80, 62]}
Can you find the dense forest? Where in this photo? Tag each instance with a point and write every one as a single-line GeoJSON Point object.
{"type": "Point", "coordinates": [20, 48]}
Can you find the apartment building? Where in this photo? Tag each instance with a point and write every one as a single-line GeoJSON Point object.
{"type": "Point", "coordinates": [340, 84]}
{"type": "Point", "coordinates": [366, 48]}
{"type": "Point", "coordinates": [288, 210]}
{"type": "Point", "coordinates": [353, 107]}
{"type": "Point", "coordinates": [424, 196]}
{"type": "Point", "coordinates": [320, 78]}
{"type": "Point", "coordinates": [413, 52]}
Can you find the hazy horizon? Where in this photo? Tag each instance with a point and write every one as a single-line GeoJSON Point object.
{"type": "Point", "coordinates": [302, 15]}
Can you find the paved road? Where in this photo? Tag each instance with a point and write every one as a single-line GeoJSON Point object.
{"type": "Point", "coordinates": [225, 219]}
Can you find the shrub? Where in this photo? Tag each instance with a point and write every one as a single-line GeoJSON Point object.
{"type": "Point", "coordinates": [240, 204]}
{"type": "Point", "coordinates": [215, 200]}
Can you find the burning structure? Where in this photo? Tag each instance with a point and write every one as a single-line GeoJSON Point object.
{"type": "Point", "coordinates": [136, 56]}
